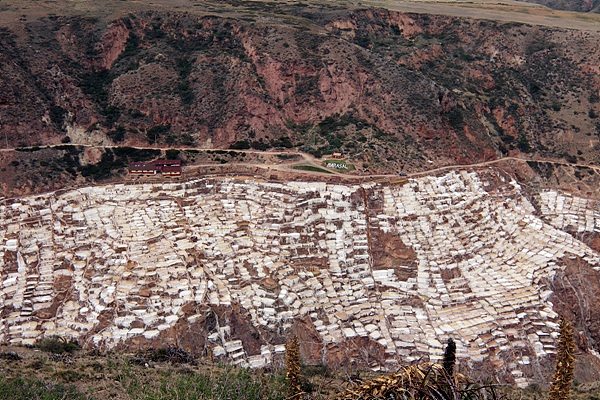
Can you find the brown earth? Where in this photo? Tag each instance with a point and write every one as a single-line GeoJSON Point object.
{"type": "Point", "coordinates": [576, 293]}
{"type": "Point", "coordinates": [391, 90]}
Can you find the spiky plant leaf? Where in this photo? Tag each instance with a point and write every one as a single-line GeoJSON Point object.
{"type": "Point", "coordinates": [565, 363]}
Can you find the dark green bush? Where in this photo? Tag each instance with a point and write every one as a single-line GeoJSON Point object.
{"type": "Point", "coordinates": [316, 370]}
{"type": "Point", "coordinates": [240, 145]}
{"type": "Point", "coordinates": [105, 168]}
{"type": "Point", "coordinates": [112, 114]}
{"type": "Point", "coordinates": [523, 144]}
{"type": "Point", "coordinates": [172, 354]}
{"type": "Point", "coordinates": [260, 145]}
{"type": "Point", "coordinates": [58, 345]}
{"type": "Point", "coordinates": [283, 141]}
{"type": "Point", "coordinates": [57, 116]}
{"type": "Point", "coordinates": [95, 84]}
{"type": "Point", "coordinates": [571, 159]}
{"type": "Point", "coordinates": [154, 134]}
{"type": "Point", "coordinates": [172, 154]}
{"type": "Point", "coordinates": [117, 134]}
{"type": "Point", "coordinates": [456, 119]}
{"type": "Point", "coordinates": [29, 149]}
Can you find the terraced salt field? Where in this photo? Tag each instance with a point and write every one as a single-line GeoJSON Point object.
{"type": "Point", "coordinates": [405, 266]}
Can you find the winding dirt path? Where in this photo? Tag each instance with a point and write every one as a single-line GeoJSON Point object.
{"type": "Point", "coordinates": [310, 160]}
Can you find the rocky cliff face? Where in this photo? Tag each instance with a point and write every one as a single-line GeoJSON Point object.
{"type": "Point", "coordinates": [392, 89]}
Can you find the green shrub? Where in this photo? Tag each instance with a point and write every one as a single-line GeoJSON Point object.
{"type": "Point", "coordinates": [186, 93]}
{"type": "Point", "coordinates": [172, 354]}
{"type": "Point", "coordinates": [57, 116]}
{"type": "Point", "coordinates": [172, 154]}
{"type": "Point", "coordinates": [104, 168]}
{"type": "Point", "coordinates": [260, 145]}
{"type": "Point", "coordinates": [154, 134]}
{"type": "Point", "coordinates": [240, 145]}
{"type": "Point", "coordinates": [571, 159]}
{"type": "Point", "coordinates": [117, 134]}
{"type": "Point", "coordinates": [26, 389]}
{"type": "Point", "coordinates": [523, 144]}
{"type": "Point", "coordinates": [58, 345]}
{"type": "Point", "coordinates": [283, 141]}
{"type": "Point", "coordinates": [231, 383]}
{"type": "Point", "coordinates": [456, 119]}
{"type": "Point", "coordinates": [311, 168]}
{"type": "Point", "coordinates": [316, 370]}
{"type": "Point", "coordinates": [131, 47]}
{"type": "Point", "coordinates": [28, 149]}
{"type": "Point", "coordinates": [94, 84]}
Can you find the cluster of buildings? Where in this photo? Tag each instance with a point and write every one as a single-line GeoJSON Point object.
{"type": "Point", "coordinates": [140, 254]}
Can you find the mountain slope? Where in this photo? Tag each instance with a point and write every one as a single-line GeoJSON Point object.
{"type": "Point", "coordinates": [392, 89]}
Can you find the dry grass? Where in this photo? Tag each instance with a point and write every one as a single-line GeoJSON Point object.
{"type": "Point", "coordinates": [426, 382]}
{"type": "Point", "coordinates": [15, 11]}
{"type": "Point", "coordinates": [498, 10]}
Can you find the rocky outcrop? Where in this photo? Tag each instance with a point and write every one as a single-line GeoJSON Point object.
{"type": "Point", "coordinates": [111, 45]}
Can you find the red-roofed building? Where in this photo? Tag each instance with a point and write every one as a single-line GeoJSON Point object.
{"type": "Point", "coordinates": [166, 167]}
{"type": "Point", "coordinates": [167, 163]}
{"type": "Point", "coordinates": [142, 168]}
{"type": "Point", "coordinates": [174, 170]}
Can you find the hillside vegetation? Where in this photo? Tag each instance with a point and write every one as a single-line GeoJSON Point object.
{"type": "Point", "coordinates": [392, 90]}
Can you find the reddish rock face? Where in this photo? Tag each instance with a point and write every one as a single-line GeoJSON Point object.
{"type": "Point", "coordinates": [111, 45]}
{"type": "Point", "coordinates": [394, 89]}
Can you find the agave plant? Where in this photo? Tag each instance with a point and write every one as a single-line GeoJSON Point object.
{"type": "Point", "coordinates": [292, 365]}
{"type": "Point", "coordinates": [427, 381]}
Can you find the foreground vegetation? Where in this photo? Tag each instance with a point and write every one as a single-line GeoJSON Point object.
{"type": "Point", "coordinates": [59, 369]}
{"type": "Point", "coordinates": [120, 377]}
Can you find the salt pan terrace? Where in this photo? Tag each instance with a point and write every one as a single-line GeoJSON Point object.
{"type": "Point", "coordinates": [572, 213]}
{"type": "Point", "coordinates": [72, 259]}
